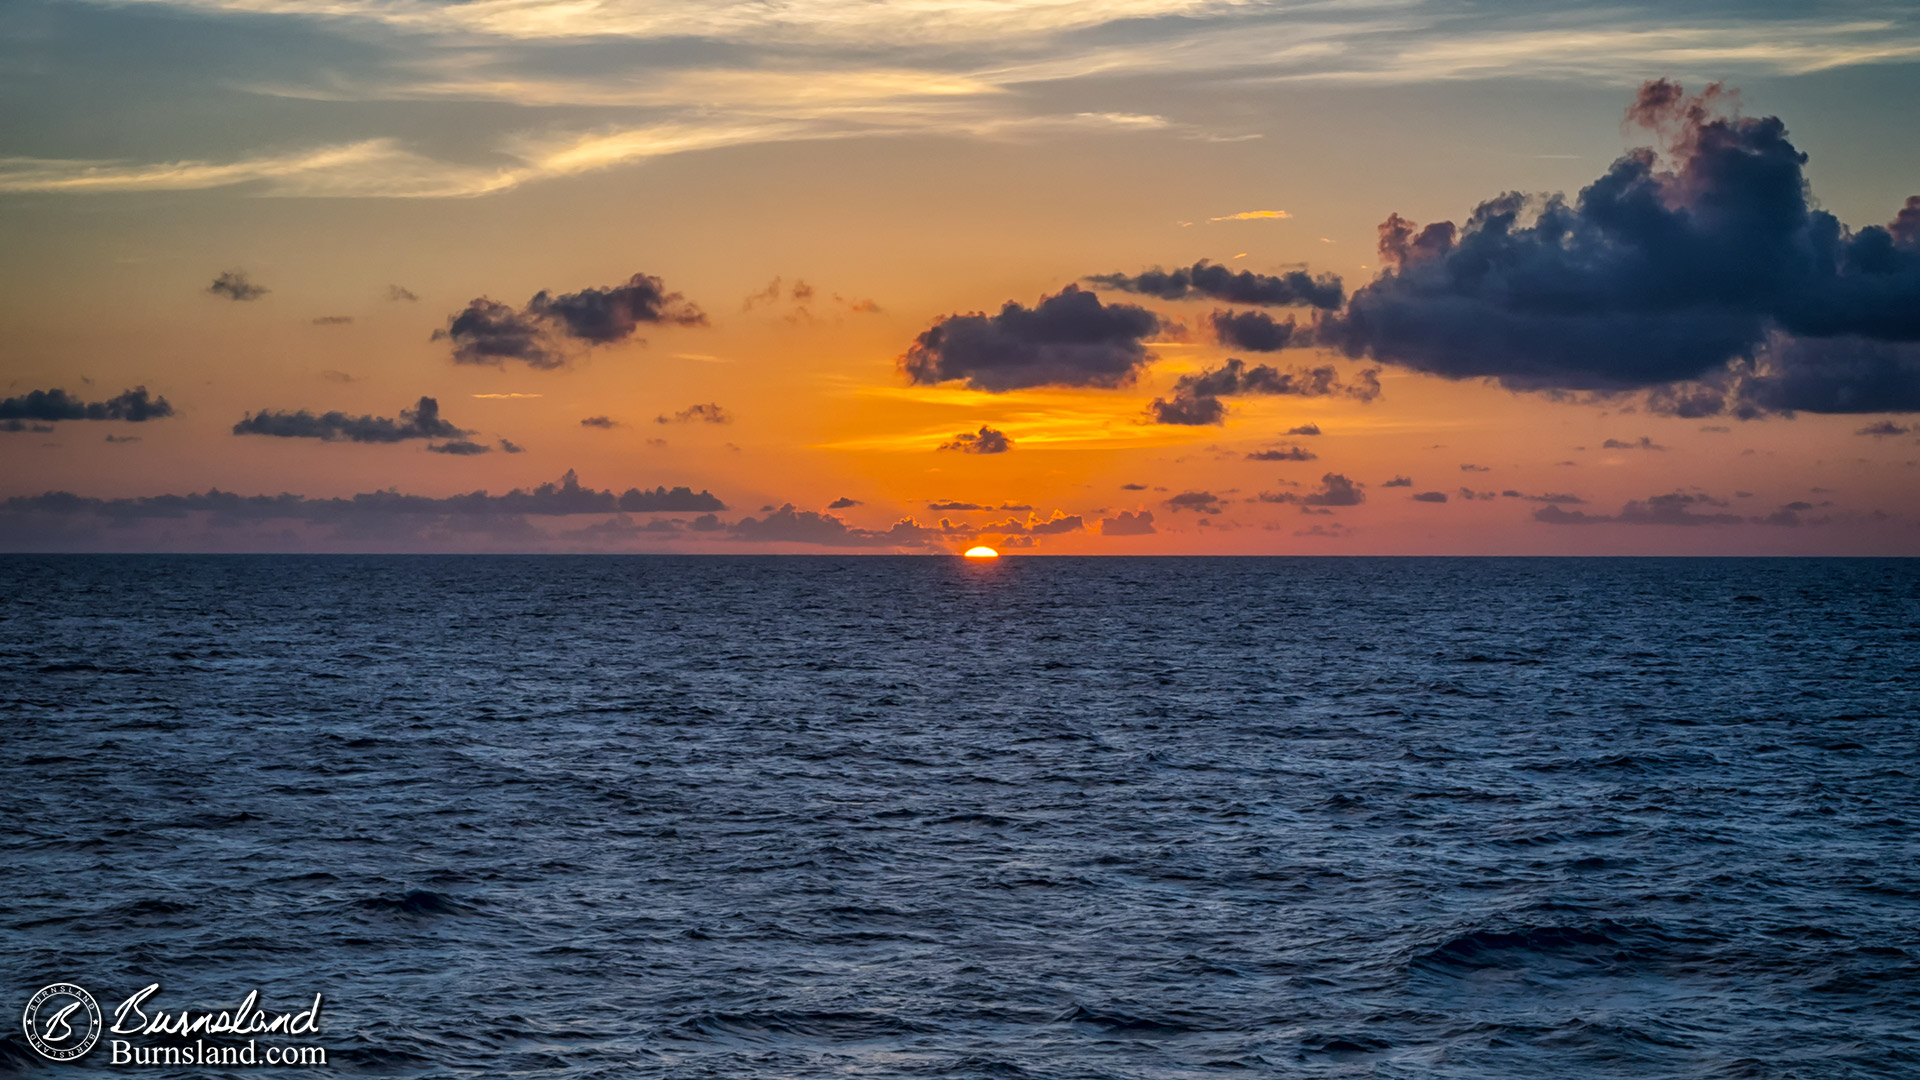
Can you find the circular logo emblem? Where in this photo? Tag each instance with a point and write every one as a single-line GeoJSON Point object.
{"type": "Point", "coordinates": [62, 1022]}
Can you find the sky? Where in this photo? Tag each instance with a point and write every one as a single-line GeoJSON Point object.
{"type": "Point", "coordinates": [1057, 277]}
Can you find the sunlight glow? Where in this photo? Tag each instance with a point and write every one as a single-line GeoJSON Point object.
{"type": "Point", "coordinates": [982, 553]}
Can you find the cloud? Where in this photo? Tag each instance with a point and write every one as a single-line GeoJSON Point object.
{"type": "Point", "coordinates": [1213, 281]}
{"type": "Point", "coordinates": [459, 447]}
{"type": "Point", "coordinates": [1128, 523]}
{"type": "Point", "coordinates": [22, 425]}
{"type": "Point", "coordinates": [843, 503]}
{"type": "Point", "coordinates": [123, 438]}
{"type": "Point", "coordinates": [1713, 281]}
{"type": "Point", "coordinates": [234, 285]}
{"type": "Point", "coordinates": [1195, 398]}
{"type": "Point", "coordinates": [1304, 429]}
{"type": "Point", "coordinates": [508, 446]}
{"type": "Point", "coordinates": [1398, 481]}
{"type": "Point", "coordinates": [401, 293]}
{"type": "Point", "coordinates": [788, 525]}
{"type": "Point", "coordinates": [604, 423]}
{"type": "Point", "coordinates": [1568, 500]}
{"type": "Point", "coordinates": [1254, 215]}
{"type": "Point", "coordinates": [1430, 497]}
{"type": "Point", "coordinates": [553, 499]}
{"type": "Point", "coordinates": [1203, 502]}
{"type": "Point", "coordinates": [1068, 339]}
{"type": "Point", "coordinates": [1474, 468]}
{"type": "Point", "coordinates": [53, 405]}
{"type": "Point", "coordinates": [1883, 429]}
{"type": "Point", "coordinates": [1133, 487]}
{"type": "Point", "coordinates": [1256, 331]}
{"type": "Point", "coordinates": [332, 320]}
{"type": "Point", "coordinates": [985, 441]}
{"type": "Point", "coordinates": [1286, 453]}
{"type": "Point", "coordinates": [423, 421]}
{"type": "Point", "coordinates": [538, 335]}
{"type": "Point", "coordinates": [1335, 490]}
{"type": "Point", "coordinates": [1642, 443]}
{"type": "Point", "coordinates": [952, 506]}
{"type": "Point", "coordinates": [1677, 508]}
{"type": "Point", "coordinates": [707, 413]}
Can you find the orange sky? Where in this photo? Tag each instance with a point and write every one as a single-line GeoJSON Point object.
{"type": "Point", "coordinates": [892, 228]}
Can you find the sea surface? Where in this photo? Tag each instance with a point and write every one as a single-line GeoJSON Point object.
{"type": "Point", "coordinates": [917, 817]}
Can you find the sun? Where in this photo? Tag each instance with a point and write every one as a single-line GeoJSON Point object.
{"type": "Point", "coordinates": [982, 553]}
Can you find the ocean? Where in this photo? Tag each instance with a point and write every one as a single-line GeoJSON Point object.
{"type": "Point", "coordinates": [581, 817]}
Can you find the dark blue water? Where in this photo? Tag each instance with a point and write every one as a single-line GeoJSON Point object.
{"type": "Point", "coordinates": [761, 817]}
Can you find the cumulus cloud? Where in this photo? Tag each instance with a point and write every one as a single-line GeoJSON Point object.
{"type": "Point", "coordinates": [843, 503]}
{"type": "Point", "coordinates": [706, 413]}
{"type": "Point", "coordinates": [604, 423]}
{"type": "Point", "coordinates": [234, 285]}
{"type": "Point", "coordinates": [951, 506]}
{"type": "Point", "coordinates": [1128, 523]}
{"type": "Point", "coordinates": [1704, 274]}
{"type": "Point", "coordinates": [423, 421]}
{"type": "Point", "coordinates": [1203, 502]}
{"type": "Point", "coordinates": [1304, 429]}
{"type": "Point", "coordinates": [1285, 453]}
{"type": "Point", "coordinates": [1883, 429]}
{"type": "Point", "coordinates": [788, 525]}
{"type": "Point", "coordinates": [540, 333]}
{"type": "Point", "coordinates": [1335, 490]}
{"type": "Point", "coordinates": [552, 499]}
{"type": "Point", "coordinates": [1642, 443]}
{"type": "Point", "coordinates": [1068, 339]}
{"type": "Point", "coordinates": [508, 446]}
{"type": "Point", "coordinates": [1675, 508]}
{"type": "Point", "coordinates": [1257, 331]}
{"type": "Point", "coordinates": [985, 441]}
{"type": "Point", "coordinates": [1196, 397]}
{"type": "Point", "coordinates": [1213, 281]}
{"type": "Point", "coordinates": [1398, 481]}
{"type": "Point", "coordinates": [1430, 497]}
{"type": "Point", "coordinates": [460, 448]}
{"type": "Point", "coordinates": [133, 405]}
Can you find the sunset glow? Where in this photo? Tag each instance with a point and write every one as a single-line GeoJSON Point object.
{"type": "Point", "coordinates": [982, 553]}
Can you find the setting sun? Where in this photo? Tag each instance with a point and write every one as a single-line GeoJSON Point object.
{"type": "Point", "coordinates": [982, 553]}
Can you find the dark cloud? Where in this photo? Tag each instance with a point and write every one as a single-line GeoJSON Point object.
{"type": "Point", "coordinates": [707, 413]}
{"type": "Point", "coordinates": [1642, 443]}
{"type": "Point", "coordinates": [1133, 487]}
{"type": "Point", "coordinates": [1304, 429]}
{"type": "Point", "coordinates": [1216, 282]}
{"type": "Point", "coordinates": [985, 441]}
{"type": "Point", "coordinates": [332, 320]}
{"type": "Point", "coordinates": [133, 405]}
{"type": "Point", "coordinates": [788, 525]}
{"type": "Point", "coordinates": [843, 503]}
{"type": "Point", "coordinates": [1566, 500]}
{"type": "Point", "coordinates": [1398, 481]}
{"type": "Point", "coordinates": [953, 507]}
{"type": "Point", "coordinates": [1256, 331]}
{"type": "Point", "coordinates": [1057, 524]}
{"type": "Point", "coordinates": [123, 438]}
{"type": "Point", "coordinates": [1128, 523]}
{"type": "Point", "coordinates": [234, 286]}
{"type": "Point", "coordinates": [1203, 502]}
{"type": "Point", "coordinates": [604, 423]}
{"type": "Point", "coordinates": [1196, 397]}
{"type": "Point", "coordinates": [1069, 339]}
{"type": "Point", "coordinates": [1287, 453]}
{"type": "Point", "coordinates": [1430, 497]}
{"type": "Point", "coordinates": [489, 332]}
{"type": "Point", "coordinates": [508, 446]}
{"type": "Point", "coordinates": [1335, 490]}
{"type": "Point", "coordinates": [398, 292]}
{"type": "Point", "coordinates": [460, 448]}
{"type": "Point", "coordinates": [1475, 468]}
{"type": "Point", "coordinates": [22, 425]}
{"type": "Point", "coordinates": [1883, 429]}
{"type": "Point", "coordinates": [1677, 508]}
{"type": "Point", "coordinates": [554, 499]}
{"type": "Point", "coordinates": [423, 421]}
{"type": "Point", "coordinates": [1656, 276]}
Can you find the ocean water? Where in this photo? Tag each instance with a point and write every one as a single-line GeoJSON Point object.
{"type": "Point", "coordinates": [1052, 818]}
